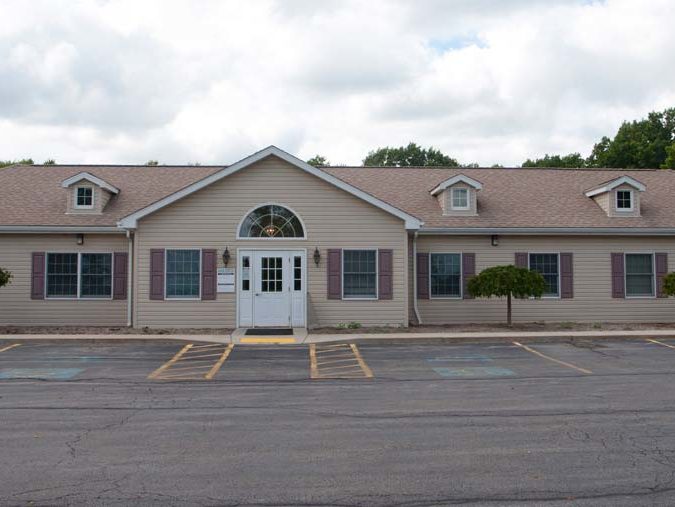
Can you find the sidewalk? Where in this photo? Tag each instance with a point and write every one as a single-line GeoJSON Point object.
{"type": "Point", "coordinates": [327, 338]}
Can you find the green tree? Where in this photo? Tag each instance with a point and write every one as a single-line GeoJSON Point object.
{"type": "Point", "coordinates": [318, 161]}
{"type": "Point", "coordinates": [24, 161]}
{"type": "Point", "coordinates": [5, 277]}
{"type": "Point", "coordinates": [407, 156]}
{"type": "Point", "coordinates": [669, 163]}
{"type": "Point", "coordinates": [571, 160]}
{"type": "Point", "coordinates": [669, 284]}
{"type": "Point", "coordinates": [507, 281]}
{"type": "Point", "coordinates": [49, 161]}
{"type": "Point", "coordinates": [152, 162]}
{"type": "Point", "coordinates": [641, 143]}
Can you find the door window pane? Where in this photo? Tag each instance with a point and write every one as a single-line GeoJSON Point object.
{"type": "Point", "coordinates": [547, 266]}
{"type": "Point", "coordinates": [245, 273]}
{"type": "Point", "coordinates": [360, 274]}
{"type": "Point", "coordinates": [271, 274]}
{"type": "Point", "coordinates": [182, 273]}
{"type": "Point", "coordinates": [96, 275]}
{"type": "Point", "coordinates": [297, 273]}
{"type": "Point", "coordinates": [446, 277]}
{"type": "Point", "coordinates": [62, 274]}
{"type": "Point", "coordinates": [639, 275]}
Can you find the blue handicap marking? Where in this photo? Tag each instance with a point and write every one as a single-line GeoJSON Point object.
{"type": "Point", "coordinates": [474, 371]}
{"type": "Point", "coordinates": [40, 373]}
{"type": "Point", "coordinates": [463, 358]}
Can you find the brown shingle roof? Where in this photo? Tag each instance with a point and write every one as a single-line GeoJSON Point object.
{"type": "Point", "coordinates": [32, 195]}
{"type": "Point", "coordinates": [520, 197]}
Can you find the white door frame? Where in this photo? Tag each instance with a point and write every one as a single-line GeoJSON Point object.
{"type": "Point", "coordinates": [293, 251]}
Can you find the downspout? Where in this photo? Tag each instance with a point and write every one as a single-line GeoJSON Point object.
{"type": "Point", "coordinates": [415, 308]}
{"type": "Point", "coordinates": [130, 278]}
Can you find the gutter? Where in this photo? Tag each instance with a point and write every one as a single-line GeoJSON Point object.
{"type": "Point", "coordinates": [551, 231]}
{"type": "Point", "coordinates": [58, 229]}
{"type": "Point", "coordinates": [415, 307]}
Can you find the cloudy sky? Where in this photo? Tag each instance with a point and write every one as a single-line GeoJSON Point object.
{"type": "Point", "coordinates": [205, 81]}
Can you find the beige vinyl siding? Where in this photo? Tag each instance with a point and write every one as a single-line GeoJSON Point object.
{"type": "Point", "coordinates": [16, 306]}
{"type": "Point", "coordinates": [592, 300]}
{"type": "Point", "coordinates": [333, 219]}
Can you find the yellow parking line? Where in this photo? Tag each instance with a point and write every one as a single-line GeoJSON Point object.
{"type": "Point", "coordinates": [536, 353]}
{"type": "Point", "coordinates": [313, 368]}
{"type": "Point", "coordinates": [171, 361]}
{"type": "Point", "coordinates": [220, 362]}
{"type": "Point", "coordinates": [10, 347]}
{"type": "Point", "coordinates": [648, 339]}
{"type": "Point", "coordinates": [366, 370]}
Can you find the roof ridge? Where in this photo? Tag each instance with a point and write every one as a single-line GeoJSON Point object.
{"type": "Point", "coordinates": [207, 166]}
{"type": "Point", "coordinates": [570, 169]}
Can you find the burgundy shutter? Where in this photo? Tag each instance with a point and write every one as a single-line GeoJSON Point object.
{"type": "Point", "coordinates": [209, 274]}
{"type": "Point", "coordinates": [521, 260]}
{"type": "Point", "coordinates": [468, 272]}
{"type": "Point", "coordinates": [566, 276]}
{"type": "Point", "coordinates": [385, 274]}
{"type": "Point", "coordinates": [37, 284]}
{"type": "Point", "coordinates": [156, 274]}
{"type": "Point", "coordinates": [661, 272]}
{"type": "Point", "coordinates": [334, 267]}
{"type": "Point", "coordinates": [618, 289]}
{"type": "Point", "coordinates": [120, 265]}
{"type": "Point", "coordinates": [423, 275]}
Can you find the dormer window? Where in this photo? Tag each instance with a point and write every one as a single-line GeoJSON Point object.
{"type": "Point", "coordinates": [624, 200]}
{"type": "Point", "coordinates": [84, 197]}
{"type": "Point", "coordinates": [460, 198]}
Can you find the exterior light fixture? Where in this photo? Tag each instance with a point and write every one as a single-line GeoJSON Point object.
{"type": "Point", "coordinates": [317, 256]}
{"type": "Point", "coordinates": [495, 240]}
{"type": "Point", "coordinates": [80, 239]}
{"type": "Point", "coordinates": [226, 256]}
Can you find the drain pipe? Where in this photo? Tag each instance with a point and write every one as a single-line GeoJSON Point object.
{"type": "Point", "coordinates": [130, 278]}
{"type": "Point", "coordinates": [415, 308]}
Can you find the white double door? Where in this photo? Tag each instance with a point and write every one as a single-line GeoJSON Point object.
{"type": "Point", "coordinates": [271, 288]}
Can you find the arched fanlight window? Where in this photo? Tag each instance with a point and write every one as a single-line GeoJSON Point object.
{"type": "Point", "coordinates": [271, 221]}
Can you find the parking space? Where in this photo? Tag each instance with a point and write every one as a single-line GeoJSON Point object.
{"type": "Point", "coordinates": [179, 361]}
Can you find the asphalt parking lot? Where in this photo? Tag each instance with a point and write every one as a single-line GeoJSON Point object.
{"type": "Point", "coordinates": [511, 422]}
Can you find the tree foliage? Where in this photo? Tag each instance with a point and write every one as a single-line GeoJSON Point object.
{"type": "Point", "coordinates": [408, 156]}
{"type": "Point", "coordinates": [669, 163]}
{"type": "Point", "coordinates": [507, 281]}
{"type": "Point", "coordinates": [318, 161]}
{"type": "Point", "coordinates": [152, 162]}
{"type": "Point", "coordinates": [25, 161]}
{"type": "Point", "coordinates": [5, 277]}
{"type": "Point", "coordinates": [570, 160]}
{"type": "Point", "coordinates": [49, 161]}
{"type": "Point", "coordinates": [669, 284]}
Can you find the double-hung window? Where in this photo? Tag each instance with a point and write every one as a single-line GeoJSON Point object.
{"type": "Point", "coordinates": [548, 265]}
{"type": "Point", "coordinates": [624, 200]}
{"type": "Point", "coordinates": [446, 275]}
{"type": "Point", "coordinates": [359, 274]}
{"type": "Point", "coordinates": [183, 272]}
{"type": "Point", "coordinates": [459, 198]}
{"type": "Point", "coordinates": [84, 275]}
{"type": "Point", "coordinates": [84, 197]}
{"type": "Point", "coordinates": [640, 275]}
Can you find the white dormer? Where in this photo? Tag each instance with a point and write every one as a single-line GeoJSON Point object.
{"type": "Point", "coordinates": [87, 193]}
{"type": "Point", "coordinates": [457, 195]}
{"type": "Point", "coordinates": [619, 197]}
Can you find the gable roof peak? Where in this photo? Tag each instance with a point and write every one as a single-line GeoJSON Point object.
{"type": "Point", "coordinates": [92, 179]}
{"type": "Point", "coordinates": [459, 178]}
{"type": "Point", "coordinates": [612, 184]}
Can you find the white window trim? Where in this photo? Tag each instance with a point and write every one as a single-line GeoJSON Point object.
{"type": "Point", "coordinates": [84, 206]}
{"type": "Point", "coordinates": [79, 296]}
{"type": "Point", "coordinates": [246, 238]}
{"type": "Point", "coordinates": [452, 199]}
{"type": "Point", "coordinates": [632, 200]}
{"type": "Point", "coordinates": [557, 254]}
{"type": "Point", "coordinates": [625, 276]}
{"type": "Point", "coordinates": [377, 274]}
{"type": "Point", "coordinates": [166, 277]}
{"type": "Point", "coordinates": [461, 276]}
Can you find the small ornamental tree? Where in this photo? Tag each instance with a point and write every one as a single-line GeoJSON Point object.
{"type": "Point", "coordinates": [669, 284]}
{"type": "Point", "coordinates": [5, 277]}
{"type": "Point", "coordinates": [507, 281]}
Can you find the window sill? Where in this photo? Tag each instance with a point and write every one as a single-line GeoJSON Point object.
{"type": "Point", "coordinates": [360, 298]}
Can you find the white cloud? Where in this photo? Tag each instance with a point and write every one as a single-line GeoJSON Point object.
{"type": "Point", "coordinates": [483, 80]}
